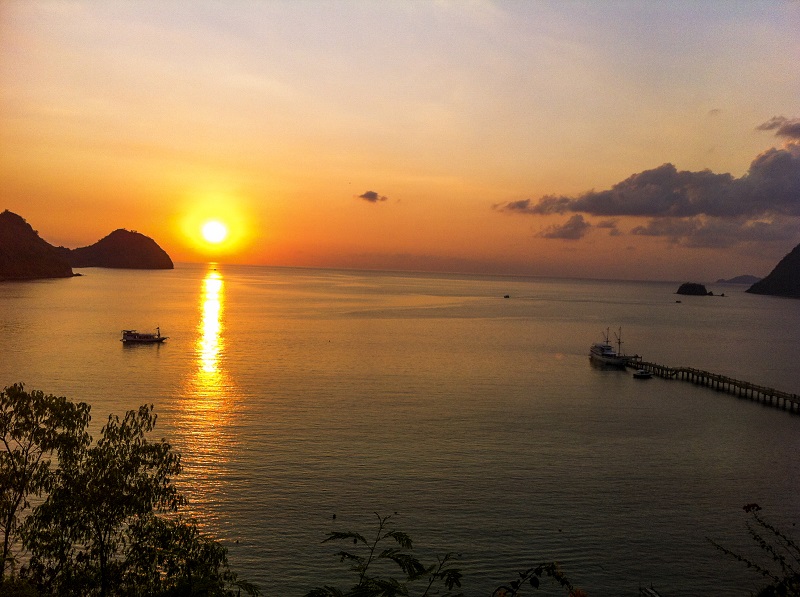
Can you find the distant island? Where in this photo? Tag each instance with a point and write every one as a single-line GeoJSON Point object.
{"type": "Point", "coordinates": [694, 289]}
{"type": "Point", "coordinates": [784, 280]}
{"type": "Point", "coordinates": [24, 255]}
{"type": "Point", "coordinates": [120, 249]}
{"type": "Point", "coordinates": [740, 280]}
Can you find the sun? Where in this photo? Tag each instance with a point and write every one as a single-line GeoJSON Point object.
{"type": "Point", "coordinates": [214, 226]}
{"type": "Point", "coordinates": [214, 231]}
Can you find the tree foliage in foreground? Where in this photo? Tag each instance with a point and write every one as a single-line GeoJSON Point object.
{"type": "Point", "coordinates": [33, 427]}
{"type": "Point", "coordinates": [371, 561]}
{"type": "Point", "coordinates": [108, 521]}
{"type": "Point", "coordinates": [783, 573]}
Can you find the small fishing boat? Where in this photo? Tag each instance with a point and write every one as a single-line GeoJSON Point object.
{"type": "Point", "coordinates": [134, 337]}
{"type": "Point", "coordinates": [642, 374]}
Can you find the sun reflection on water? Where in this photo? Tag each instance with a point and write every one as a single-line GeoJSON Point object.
{"type": "Point", "coordinates": [209, 343]}
{"type": "Point", "coordinates": [205, 415]}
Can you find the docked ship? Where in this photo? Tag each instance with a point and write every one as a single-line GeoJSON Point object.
{"type": "Point", "coordinates": [604, 353]}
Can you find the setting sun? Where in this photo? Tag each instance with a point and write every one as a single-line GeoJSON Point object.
{"type": "Point", "coordinates": [214, 231]}
{"type": "Point", "coordinates": [214, 224]}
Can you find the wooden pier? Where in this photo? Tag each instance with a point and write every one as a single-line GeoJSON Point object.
{"type": "Point", "coordinates": [721, 383]}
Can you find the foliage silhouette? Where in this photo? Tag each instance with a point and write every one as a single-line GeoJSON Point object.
{"type": "Point", "coordinates": [532, 576]}
{"type": "Point", "coordinates": [108, 522]}
{"type": "Point", "coordinates": [369, 554]}
{"type": "Point", "coordinates": [170, 557]}
{"type": "Point", "coordinates": [776, 546]}
{"type": "Point", "coordinates": [78, 534]}
{"type": "Point", "coordinates": [32, 427]}
{"type": "Point", "coordinates": [439, 578]}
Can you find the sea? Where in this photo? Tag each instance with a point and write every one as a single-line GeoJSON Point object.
{"type": "Point", "coordinates": [465, 408]}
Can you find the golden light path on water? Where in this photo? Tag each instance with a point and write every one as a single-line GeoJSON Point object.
{"type": "Point", "coordinates": [205, 413]}
{"type": "Point", "coordinates": [209, 342]}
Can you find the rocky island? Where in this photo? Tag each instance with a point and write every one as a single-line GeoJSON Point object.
{"type": "Point", "coordinates": [694, 289]}
{"type": "Point", "coordinates": [24, 255]}
{"type": "Point", "coordinates": [784, 280]}
{"type": "Point", "coordinates": [120, 249]}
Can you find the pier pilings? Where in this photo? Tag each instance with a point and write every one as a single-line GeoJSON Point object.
{"type": "Point", "coordinates": [721, 383]}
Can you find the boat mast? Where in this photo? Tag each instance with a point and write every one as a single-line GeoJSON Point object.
{"type": "Point", "coordinates": [619, 341]}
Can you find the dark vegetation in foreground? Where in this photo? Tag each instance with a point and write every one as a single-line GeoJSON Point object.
{"type": "Point", "coordinates": [371, 561]}
{"type": "Point", "coordinates": [778, 560]}
{"type": "Point", "coordinates": [106, 520]}
{"type": "Point", "coordinates": [80, 517]}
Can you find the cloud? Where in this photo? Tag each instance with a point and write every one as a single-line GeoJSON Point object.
{"type": "Point", "coordinates": [372, 197]}
{"type": "Point", "coordinates": [717, 233]}
{"type": "Point", "coordinates": [610, 225]}
{"type": "Point", "coordinates": [694, 208]}
{"type": "Point", "coordinates": [522, 206]}
{"type": "Point", "coordinates": [783, 127]}
{"type": "Point", "coordinates": [772, 185]}
{"type": "Point", "coordinates": [574, 229]}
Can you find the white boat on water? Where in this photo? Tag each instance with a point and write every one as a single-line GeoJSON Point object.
{"type": "Point", "coordinates": [642, 374]}
{"type": "Point", "coordinates": [134, 337]}
{"type": "Point", "coordinates": [604, 353]}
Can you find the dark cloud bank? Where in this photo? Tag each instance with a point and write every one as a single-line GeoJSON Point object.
{"type": "Point", "coordinates": [693, 208]}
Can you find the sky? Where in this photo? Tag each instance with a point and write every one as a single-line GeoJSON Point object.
{"type": "Point", "coordinates": [603, 139]}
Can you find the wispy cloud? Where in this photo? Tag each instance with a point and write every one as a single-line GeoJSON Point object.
{"type": "Point", "coordinates": [610, 225]}
{"type": "Point", "coordinates": [372, 197]}
{"type": "Point", "coordinates": [783, 127]}
{"type": "Point", "coordinates": [718, 233]}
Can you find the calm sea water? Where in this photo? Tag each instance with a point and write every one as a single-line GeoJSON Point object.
{"type": "Point", "coordinates": [295, 395]}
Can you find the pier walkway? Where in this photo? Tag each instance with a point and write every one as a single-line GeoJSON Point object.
{"type": "Point", "coordinates": [721, 383]}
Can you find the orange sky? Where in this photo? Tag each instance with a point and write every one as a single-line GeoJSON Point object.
{"type": "Point", "coordinates": [396, 135]}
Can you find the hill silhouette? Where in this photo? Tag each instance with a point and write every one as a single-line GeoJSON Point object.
{"type": "Point", "coordinates": [24, 255]}
{"type": "Point", "coordinates": [120, 249]}
{"type": "Point", "coordinates": [745, 279]}
{"type": "Point", "coordinates": [784, 280]}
